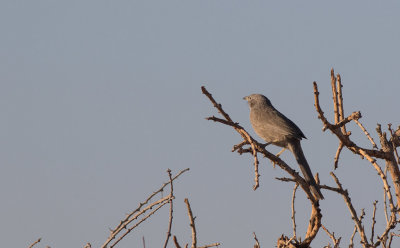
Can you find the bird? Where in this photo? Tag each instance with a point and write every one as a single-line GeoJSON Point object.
{"type": "Point", "coordinates": [275, 128]}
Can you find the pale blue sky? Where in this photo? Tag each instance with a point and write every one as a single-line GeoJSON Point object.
{"type": "Point", "coordinates": [99, 98]}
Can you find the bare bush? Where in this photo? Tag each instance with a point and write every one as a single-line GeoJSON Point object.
{"type": "Point", "coordinates": [385, 152]}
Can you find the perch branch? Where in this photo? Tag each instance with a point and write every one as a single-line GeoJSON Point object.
{"type": "Point", "coordinates": [239, 129]}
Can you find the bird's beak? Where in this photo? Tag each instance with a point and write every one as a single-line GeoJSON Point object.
{"type": "Point", "coordinates": [245, 98]}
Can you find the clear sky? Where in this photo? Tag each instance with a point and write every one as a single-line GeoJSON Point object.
{"type": "Point", "coordinates": [99, 98]}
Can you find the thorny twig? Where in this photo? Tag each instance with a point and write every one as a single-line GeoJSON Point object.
{"type": "Point", "coordinates": [164, 202]}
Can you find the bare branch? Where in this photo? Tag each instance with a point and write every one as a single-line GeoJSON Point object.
{"type": "Point", "coordinates": [353, 117]}
{"type": "Point", "coordinates": [216, 105]}
{"type": "Point", "coordinates": [336, 161]}
{"type": "Point", "coordinates": [34, 243]}
{"type": "Point", "coordinates": [239, 129]}
{"type": "Point", "coordinates": [353, 213]}
{"type": "Point", "coordinates": [293, 210]}
{"type": "Point", "coordinates": [391, 238]}
{"type": "Point", "coordinates": [193, 228]}
{"type": "Point", "coordinates": [88, 245]}
{"type": "Point", "coordinates": [391, 162]}
{"type": "Point", "coordinates": [257, 245]}
{"type": "Point", "coordinates": [339, 87]}
{"type": "Point", "coordinates": [384, 200]}
{"type": "Point", "coordinates": [171, 210]}
{"type": "Point", "coordinates": [351, 244]}
{"type": "Point", "coordinates": [138, 223]}
{"type": "Point", "coordinates": [396, 135]}
{"type": "Point", "coordinates": [366, 133]}
{"type": "Point", "coordinates": [210, 245]}
{"type": "Point", "coordinates": [343, 138]}
{"type": "Point", "coordinates": [336, 242]}
{"type": "Point", "coordinates": [383, 177]}
{"type": "Point", "coordinates": [285, 242]}
{"type": "Point", "coordinates": [239, 146]}
{"type": "Point", "coordinates": [192, 225]}
{"type": "Point", "coordinates": [334, 96]}
{"type": "Point", "coordinates": [177, 245]}
{"type": "Point", "coordinates": [373, 222]}
{"type": "Point", "coordinates": [393, 137]}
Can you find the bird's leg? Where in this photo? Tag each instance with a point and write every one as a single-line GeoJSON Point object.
{"type": "Point", "coordinates": [278, 154]}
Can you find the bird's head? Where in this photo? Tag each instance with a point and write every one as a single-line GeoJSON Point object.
{"type": "Point", "coordinates": [257, 100]}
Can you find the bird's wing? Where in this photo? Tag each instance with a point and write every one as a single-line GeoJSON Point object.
{"type": "Point", "coordinates": [272, 119]}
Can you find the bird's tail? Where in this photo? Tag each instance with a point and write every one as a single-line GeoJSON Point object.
{"type": "Point", "coordinates": [297, 151]}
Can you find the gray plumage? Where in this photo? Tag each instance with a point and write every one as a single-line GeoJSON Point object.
{"type": "Point", "coordinates": [277, 129]}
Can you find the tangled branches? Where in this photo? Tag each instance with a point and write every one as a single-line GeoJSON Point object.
{"type": "Point", "coordinates": [387, 152]}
